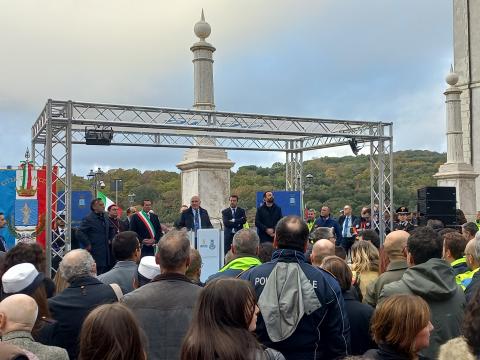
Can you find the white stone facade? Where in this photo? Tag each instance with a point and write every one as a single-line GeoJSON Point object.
{"type": "Point", "coordinates": [466, 28]}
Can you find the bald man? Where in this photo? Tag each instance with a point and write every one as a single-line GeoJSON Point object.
{"type": "Point", "coordinates": [18, 314]}
{"type": "Point", "coordinates": [195, 217]}
{"type": "Point", "coordinates": [320, 250]}
{"type": "Point", "coordinates": [395, 249]}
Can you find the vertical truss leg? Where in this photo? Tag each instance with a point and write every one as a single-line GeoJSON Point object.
{"type": "Point", "coordinates": [58, 157]}
{"type": "Point", "coordinates": [381, 191]}
{"type": "Point", "coordinates": [294, 170]}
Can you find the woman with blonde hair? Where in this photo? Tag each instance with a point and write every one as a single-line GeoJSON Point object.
{"type": "Point", "coordinates": [365, 263]}
{"type": "Point", "coordinates": [401, 328]}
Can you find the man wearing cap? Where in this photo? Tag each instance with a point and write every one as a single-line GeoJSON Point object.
{"type": "Point", "coordinates": [18, 314]}
{"type": "Point", "coordinates": [147, 226]}
{"type": "Point", "coordinates": [403, 223]}
{"type": "Point", "coordinates": [147, 270]}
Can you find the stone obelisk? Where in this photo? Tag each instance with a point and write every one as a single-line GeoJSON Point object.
{"type": "Point", "coordinates": [466, 46]}
{"type": "Point", "coordinates": [205, 172]}
{"type": "Point", "coordinates": [456, 172]}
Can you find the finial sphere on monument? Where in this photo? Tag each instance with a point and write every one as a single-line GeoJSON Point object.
{"type": "Point", "coordinates": [202, 29]}
{"type": "Point", "coordinates": [452, 78]}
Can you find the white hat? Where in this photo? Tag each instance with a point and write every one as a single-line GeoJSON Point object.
{"type": "Point", "coordinates": [148, 268]}
{"type": "Point", "coordinates": [21, 278]}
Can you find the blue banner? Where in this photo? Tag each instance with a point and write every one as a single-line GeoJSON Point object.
{"type": "Point", "coordinates": [26, 212]}
{"type": "Point", "coordinates": [7, 204]}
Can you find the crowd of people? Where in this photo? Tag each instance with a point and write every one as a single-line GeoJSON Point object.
{"type": "Point", "coordinates": [292, 288]}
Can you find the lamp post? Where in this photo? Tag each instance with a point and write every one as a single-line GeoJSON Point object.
{"type": "Point", "coordinates": [117, 185]}
{"type": "Point", "coordinates": [94, 177]}
{"type": "Point", "coordinates": [131, 198]}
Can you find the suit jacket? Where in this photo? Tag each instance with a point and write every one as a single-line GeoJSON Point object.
{"type": "Point", "coordinates": [97, 231]}
{"type": "Point", "coordinates": [137, 225]}
{"type": "Point", "coordinates": [24, 340]}
{"type": "Point", "coordinates": [123, 274]}
{"type": "Point", "coordinates": [354, 222]}
{"type": "Point", "coordinates": [72, 305]}
{"type": "Point", "coordinates": [267, 218]}
{"type": "Point", "coordinates": [228, 226]}
{"type": "Point", "coordinates": [187, 221]}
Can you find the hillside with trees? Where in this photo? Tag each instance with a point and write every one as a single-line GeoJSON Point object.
{"type": "Point", "coordinates": [336, 182]}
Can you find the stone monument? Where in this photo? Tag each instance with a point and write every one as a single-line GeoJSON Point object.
{"type": "Point", "coordinates": [456, 172]}
{"type": "Point", "coordinates": [205, 172]}
{"type": "Point", "coordinates": [466, 37]}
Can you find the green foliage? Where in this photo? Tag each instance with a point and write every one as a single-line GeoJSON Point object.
{"type": "Point", "coordinates": [336, 182]}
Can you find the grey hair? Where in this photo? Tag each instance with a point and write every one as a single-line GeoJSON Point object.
{"type": "Point", "coordinates": [173, 249]}
{"type": "Point", "coordinates": [77, 262]}
{"type": "Point", "coordinates": [477, 246]}
{"type": "Point", "coordinates": [322, 233]}
{"type": "Point", "coordinates": [246, 241]}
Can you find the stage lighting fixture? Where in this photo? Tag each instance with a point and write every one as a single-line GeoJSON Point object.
{"type": "Point", "coordinates": [98, 135]}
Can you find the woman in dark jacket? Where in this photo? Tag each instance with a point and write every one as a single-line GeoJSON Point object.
{"type": "Point", "coordinates": [401, 327]}
{"type": "Point", "coordinates": [359, 314]}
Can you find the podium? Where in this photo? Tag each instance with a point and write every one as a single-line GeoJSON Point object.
{"type": "Point", "coordinates": [209, 244]}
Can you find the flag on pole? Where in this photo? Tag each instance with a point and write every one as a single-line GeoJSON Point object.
{"type": "Point", "coordinates": [107, 201]}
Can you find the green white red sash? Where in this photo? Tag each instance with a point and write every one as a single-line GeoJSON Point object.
{"type": "Point", "coordinates": [148, 224]}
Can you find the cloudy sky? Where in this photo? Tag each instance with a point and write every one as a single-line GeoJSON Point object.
{"type": "Point", "coordinates": [380, 60]}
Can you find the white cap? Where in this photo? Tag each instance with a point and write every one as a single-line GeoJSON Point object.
{"type": "Point", "coordinates": [20, 277]}
{"type": "Point", "coordinates": [148, 267]}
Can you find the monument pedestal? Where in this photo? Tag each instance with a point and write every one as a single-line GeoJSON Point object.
{"type": "Point", "coordinates": [206, 173]}
{"type": "Point", "coordinates": [463, 178]}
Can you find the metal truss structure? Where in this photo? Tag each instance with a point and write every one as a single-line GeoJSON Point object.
{"type": "Point", "coordinates": [63, 123]}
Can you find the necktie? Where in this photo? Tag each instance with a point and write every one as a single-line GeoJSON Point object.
{"type": "Point", "coordinates": [196, 220]}
{"type": "Point", "coordinates": [234, 211]}
{"type": "Point", "coordinates": [346, 225]}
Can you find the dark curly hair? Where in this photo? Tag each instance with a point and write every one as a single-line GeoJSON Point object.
{"type": "Point", "coordinates": [25, 253]}
{"type": "Point", "coordinates": [471, 323]}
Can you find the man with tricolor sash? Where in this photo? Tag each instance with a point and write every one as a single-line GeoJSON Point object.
{"type": "Point", "coordinates": [147, 226]}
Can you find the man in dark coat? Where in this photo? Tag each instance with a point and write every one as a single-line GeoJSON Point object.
{"type": "Point", "coordinates": [403, 223]}
{"type": "Point", "coordinates": [96, 232]}
{"type": "Point", "coordinates": [147, 226]}
{"type": "Point", "coordinates": [233, 219]}
{"type": "Point", "coordinates": [326, 220]}
{"type": "Point", "coordinates": [267, 217]}
{"type": "Point", "coordinates": [347, 223]}
{"type": "Point", "coordinates": [195, 217]}
{"type": "Point", "coordinates": [72, 305]}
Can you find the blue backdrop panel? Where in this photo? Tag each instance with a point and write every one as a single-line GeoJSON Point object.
{"type": "Point", "coordinates": [80, 205]}
{"type": "Point", "coordinates": [7, 203]}
{"type": "Point", "coordinates": [289, 201]}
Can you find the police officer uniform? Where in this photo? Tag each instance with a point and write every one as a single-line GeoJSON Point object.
{"type": "Point", "coordinates": [405, 224]}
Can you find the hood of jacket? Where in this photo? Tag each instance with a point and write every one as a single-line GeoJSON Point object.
{"type": "Point", "coordinates": [432, 280]}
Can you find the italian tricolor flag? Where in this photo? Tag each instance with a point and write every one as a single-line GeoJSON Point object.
{"type": "Point", "coordinates": [107, 201]}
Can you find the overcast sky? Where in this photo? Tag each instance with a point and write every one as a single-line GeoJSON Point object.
{"type": "Point", "coordinates": [380, 60]}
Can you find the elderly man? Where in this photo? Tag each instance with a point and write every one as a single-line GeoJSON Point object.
{"type": "Point", "coordinates": [475, 282]}
{"type": "Point", "coordinates": [394, 248]}
{"type": "Point", "coordinates": [320, 250]}
{"type": "Point", "coordinates": [473, 264]}
{"type": "Point", "coordinates": [469, 230]}
{"type": "Point", "coordinates": [195, 217]}
{"type": "Point", "coordinates": [18, 314]}
{"type": "Point", "coordinates": [245, 248]}
{"type": "Point", "coordinates": [164, 307]}
{"type": "Point", "coordinates": [348, 222]}
{"type": "Point", "coordinates": [73, 304]}
{"type": "Point", "coordinates": [309, 320]}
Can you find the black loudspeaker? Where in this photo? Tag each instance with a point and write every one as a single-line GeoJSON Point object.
{"type": "Point", "coordinates": [439, 203]}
